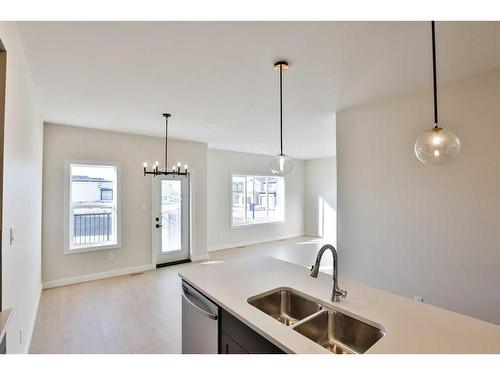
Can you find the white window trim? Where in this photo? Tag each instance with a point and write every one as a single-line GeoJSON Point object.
{"type": "Point", "coordinates": [253, 225]}
{"type": "Point", "coordinates": [66, 215]}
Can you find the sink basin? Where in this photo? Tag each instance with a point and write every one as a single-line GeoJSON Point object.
{"type": "Point", "coordinates": [285, 305]}
{"type": "Point", "coordinates": [340, 333]}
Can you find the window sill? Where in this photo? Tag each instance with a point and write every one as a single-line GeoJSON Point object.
{"type": "Point", "coordinates": [256, 225]}
{"type": "Point", "coordinates": [88, 249]}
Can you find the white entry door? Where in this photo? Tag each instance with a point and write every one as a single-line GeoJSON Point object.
{"type": "Point", "coordinates": [171, 218]}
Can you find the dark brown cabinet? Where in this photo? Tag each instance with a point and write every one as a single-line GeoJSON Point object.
{"type": "Point", "coordinates": [237, 338]}
{"type": "Point", "coordinates": [229, 346]}
{"type": "Point", "coordinates": [3, 345]}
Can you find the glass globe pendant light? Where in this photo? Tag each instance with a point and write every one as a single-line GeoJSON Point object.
{"type": "Point", "coordinates": [437, 145]}
{"type": "Point", "coordinates": [281, 164]}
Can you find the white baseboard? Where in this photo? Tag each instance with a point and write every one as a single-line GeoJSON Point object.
{"type": "Point", "coordinates": [97, 276]}
{"type": "Point", "coordinates": [33, 322]}
{"type": "Point", "coordinates": [198, 258]}
{"type": "Point", "coordinates": [253, 242]}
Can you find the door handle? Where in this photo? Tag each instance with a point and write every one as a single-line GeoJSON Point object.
{"type": "Point", "coordinates": [159, 226]}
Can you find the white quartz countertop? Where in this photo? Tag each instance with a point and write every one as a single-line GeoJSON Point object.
{"type": "Point", "coordinates": [412, 327]}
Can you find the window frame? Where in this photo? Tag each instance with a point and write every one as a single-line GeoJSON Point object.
{"type": "Point", "coordinates": [68, 222]}
{"type": "Point", "coordinates": [252, 225]}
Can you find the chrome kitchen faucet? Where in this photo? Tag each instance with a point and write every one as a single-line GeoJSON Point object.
{"type": "Point", "coordinates": [337, 293]}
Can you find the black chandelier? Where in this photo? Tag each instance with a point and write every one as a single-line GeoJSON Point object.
{"type": "Point", "coordinates": [177, 170]}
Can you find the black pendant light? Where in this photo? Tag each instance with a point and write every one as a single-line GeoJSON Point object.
{"type": "Point", "coordinates": [437, 145]}
{"type": "Point", "coordinates": [281, 165]}
{"type": "Point", "coordinates": [177, 170]}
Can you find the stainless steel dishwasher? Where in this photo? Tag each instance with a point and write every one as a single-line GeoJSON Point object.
{"type": "Point", "coordinates": [200, 331]}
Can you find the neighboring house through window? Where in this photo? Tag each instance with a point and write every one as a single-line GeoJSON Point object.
{"type": "Point", "coordinates": [257, 199]}
{"type": "Point", "coordinates": [92, 222]}
{"type": "Point", "coordinates": [106, 194]}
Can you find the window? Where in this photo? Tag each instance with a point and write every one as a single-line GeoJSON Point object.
{"type": "Point", "coordinates": [106, 194]}
{"type": "Point", "coordinates": [92, 207]}
{"type": "Point", "coordinates": [257, 199]}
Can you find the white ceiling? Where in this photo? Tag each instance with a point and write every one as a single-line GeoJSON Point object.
{"type": "Point", "coordinates": [216, 78]}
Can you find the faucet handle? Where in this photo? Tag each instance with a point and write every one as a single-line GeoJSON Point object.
{"type": "Point", "coordinates": [343, 293]}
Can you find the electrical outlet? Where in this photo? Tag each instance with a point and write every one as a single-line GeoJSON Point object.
{"type": "Point", "coordinates": [11, 236]}
{"type": "Point", "coordinates": [111, 256]}
{"type": "Point", "coordinates": [20, 335]}
{"type": "Point", "coordinates": [418, 299]}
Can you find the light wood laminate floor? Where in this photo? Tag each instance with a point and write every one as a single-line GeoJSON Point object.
{"type": "Point", "coordinates": [141, 313]}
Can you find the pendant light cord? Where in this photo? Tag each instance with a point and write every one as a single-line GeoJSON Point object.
{"type": "Point", "coordinates": [281, 109]}
{"type": "Point", "coordinates": [434, 73]}
{"type": "Point", "coordinates": [166, 139]}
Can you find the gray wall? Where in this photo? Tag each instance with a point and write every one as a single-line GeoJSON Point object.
{"type": "Point", "coordinates": [320, 206]}
{"type": "Point", "coordinates": [22, 195]}
{"type": "Point", "coordinates": [220, 235]}
{"type": "Point", "coordinates": [130, 151]}
{"type": "Point", "coordinates": [423, 230]}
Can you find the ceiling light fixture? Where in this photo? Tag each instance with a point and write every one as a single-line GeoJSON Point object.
{"type": "Point", "coordinates": [281, 164]}
{"type": "Point", "coordinates": [437, 145]}
{"type": "Point", "coordinates": [177, 170]}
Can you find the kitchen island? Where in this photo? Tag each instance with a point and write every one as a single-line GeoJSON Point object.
{"type": "Point", "coordinates": [408, 326]}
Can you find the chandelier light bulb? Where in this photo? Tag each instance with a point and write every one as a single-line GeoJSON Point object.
{"type": "Point", "coordinates": [179, 164]}
{"type": "Point", "coordinates": [145, 164]}
{"type": "Point", "coordinates": [185, 166]}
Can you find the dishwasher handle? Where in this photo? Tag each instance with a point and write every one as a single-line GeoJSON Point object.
{"type": "Point", "coordinates": [185, 296]}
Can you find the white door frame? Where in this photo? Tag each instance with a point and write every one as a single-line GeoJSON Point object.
{"type": "Point", "coordinates": [154, 231]}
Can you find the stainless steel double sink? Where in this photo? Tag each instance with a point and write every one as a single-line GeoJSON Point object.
{"type": "Point", "coordinates": [332, 329]}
